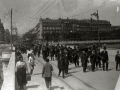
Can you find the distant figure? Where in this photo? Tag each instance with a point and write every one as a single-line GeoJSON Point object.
{"type": "Point", "coordinates": [21, 69]}
{"type": "Point", "coordinates": [104, 55]}
{"type": "Point", "coordinates": [93, 60]}
{"type": "Point", "coordinates": [84, 61]}
{"type": "Point", "coordinates": [31, 63]}
{"type": "Point", "coordinates": [47, 73]}
{"type": "Point", "coordinates": [61, 65]}
{"type": "Point", "coordinates": [29, 52]}
{"type": "Point", "coordinates": [117, 60]}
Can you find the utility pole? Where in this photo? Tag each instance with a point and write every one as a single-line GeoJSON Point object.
{"type": "Point", "coordinates": [97, 16]}
{"type": "Point", "coordinates": [11, 31]}
{"type": "Point", "coordinates": [98, 29]}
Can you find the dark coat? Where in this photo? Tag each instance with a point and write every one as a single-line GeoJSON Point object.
{"type": "Point", "coordinates": [84, 59]}
{"type": "Point", "coordinates": [61, 64]}
{"type": "Point", "coordinates": [104, 55]}
{"type": "Point", "coordinates": [66, 59]}
{"type": "Point", "coordinates": [92, 58]}
{"type": "Point", "coordinates": [117, 58]}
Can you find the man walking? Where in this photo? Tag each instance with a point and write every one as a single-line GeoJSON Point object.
{"type": "Point", "coordinates": [84, 60]}
{"type": "Point", "coordinates": [47, 73]}
{"type": "Point", "coordinates": [117, 60]}
{"type": "Point", "coordinates": [93, 60]}
{"type": "Point", "coordinates": [104, 55]}
{"type": "Point", "coordinates": [61, 64]}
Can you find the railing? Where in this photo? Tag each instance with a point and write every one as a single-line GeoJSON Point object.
{"type": "Point", "coordinates": [86, 42]}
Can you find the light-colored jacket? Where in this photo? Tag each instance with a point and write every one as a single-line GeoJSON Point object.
{"type": "Point", "coordinates": [20, 64]}
{"type": "Point", "coordinates": [47, 70]}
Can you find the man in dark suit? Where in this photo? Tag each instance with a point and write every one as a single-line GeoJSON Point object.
{"type": "Point", "coordinates": [61, 64]}
{"type": "Point", "coordinates": [93, 60]}
{"type": "Point", "coordinates": [66, 62]}
{"type": "Point", "coordinates": [104, 55]}
{"type": "Point", "coordinates": [47, 73]}
{"type": "Point", "coordinates": [76, 59]}
{"type": "Point", "coordinates": [117, 60]}
{"type": "Point", "coordinates": [84, 61]}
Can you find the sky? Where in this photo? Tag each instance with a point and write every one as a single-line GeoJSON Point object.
{"type": "Point", "coordinates": [26, 13]}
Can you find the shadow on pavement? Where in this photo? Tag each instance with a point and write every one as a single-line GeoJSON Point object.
{"type": "Point", "coordinates": [74, 71]}
{"type": "Point", "coordinates": [68, 75]}
{"type": "Point", "coordinates": [62, 88]}
{"type": "Point", "coordinates": [54, 87]}
{"type": "Point", "coordinates": [37, 73]}
{"type": "Point", "coordinates": [32, 86]}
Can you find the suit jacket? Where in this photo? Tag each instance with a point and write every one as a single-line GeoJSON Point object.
{"type": "Point", "coordinates": [66, 59]}
{"type": "Point", "coordinates": [92, 58]}
{"type": "Point", "coordinates": [47, 70]}
{"type": "Point", "coordinates": [84, 59]}
{"type": "Point", "coordinates": [117, 58]}
{"type": "Point", "coordinates": [61, 64]}
{"type": "Point", "coordinates": [104, 54]}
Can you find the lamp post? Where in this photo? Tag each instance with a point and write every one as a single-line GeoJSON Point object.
{"type": "Point", "coordinates": [97, 16]}
{"type": "Point", "coordinates": [11, 31]}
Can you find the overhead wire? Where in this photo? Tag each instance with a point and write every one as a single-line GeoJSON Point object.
{"type": "Point", "coordinates": [49, 10]}
{"type": "Point", "coordinates": [48, 7]}
{"type": "Point", "coordinates": [74, 15]}
{"type": "Point", "coordinates": [43, 10]}
{"type": "Point", "coordinates": [93, 9]}
{"type": "Point", "coordinates": [31, 18]}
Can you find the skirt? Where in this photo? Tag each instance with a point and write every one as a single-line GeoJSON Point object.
{"type": "Point", "coordinates": [21, 76]}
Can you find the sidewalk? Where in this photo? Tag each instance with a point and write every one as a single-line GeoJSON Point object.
{"type": "Point", "coordinates": [76, 79]}
{"type": "Point", "coordinates": [38, 83]}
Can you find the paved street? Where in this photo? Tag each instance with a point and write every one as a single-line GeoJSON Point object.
{"type": "Point", "coordinates": [76, 79]}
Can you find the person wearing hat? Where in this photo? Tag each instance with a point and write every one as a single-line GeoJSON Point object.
{"type": "Point", "coordinates": [66, 62]}
{"type": "Point", "coordinates": [117, 60]}
{"type": "Point", "coordinates": [93, 60]}
{"type": "Point", "coordinates": [76, 59]}
{"type": "Point", "coordinates": [47, 73]}
{"type": "Point", "coordinates": [84, 61]}
{"type": "Point", "coordinates": [105, 59]}
{"type": "Point", "coordinates": [61, 64]}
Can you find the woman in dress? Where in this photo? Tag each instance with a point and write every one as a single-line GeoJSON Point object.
{"type": "Point", "coordinates": [21, 69]}
{"type": "Point", "coordinates": [31, 63]}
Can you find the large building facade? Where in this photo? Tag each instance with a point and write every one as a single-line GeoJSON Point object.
{"type": "Point", "coordinates": [72, 29]}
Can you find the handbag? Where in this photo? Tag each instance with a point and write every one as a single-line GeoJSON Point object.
{"type": "Point", "coordinates": [28, 77]}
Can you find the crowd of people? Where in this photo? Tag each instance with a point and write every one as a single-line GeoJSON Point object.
{"type": "Point", "coordinates": [64, 55]}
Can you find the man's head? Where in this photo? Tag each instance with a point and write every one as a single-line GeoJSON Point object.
{"type": "Point", "coordinates": [117, 52]}
{"type": "Point", "coordinates": [47, 60]}
{"type": "Point", "coordinates": [104, 48]}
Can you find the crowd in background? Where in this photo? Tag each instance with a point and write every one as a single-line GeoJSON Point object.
{"type": "Point", "coordinates": [66, 55]}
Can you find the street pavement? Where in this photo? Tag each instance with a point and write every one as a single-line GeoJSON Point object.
{"type": "Point", "coordinates": [76, 79]}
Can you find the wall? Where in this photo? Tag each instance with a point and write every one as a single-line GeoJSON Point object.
{"type": "Point", "coordinates": [9, 75]}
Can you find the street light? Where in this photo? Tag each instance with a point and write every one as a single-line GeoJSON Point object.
{"type": "Point", "coordinates": [97, 16]}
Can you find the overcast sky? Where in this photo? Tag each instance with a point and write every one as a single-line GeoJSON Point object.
{"type": "Point", "coordinates": [25, 10]}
